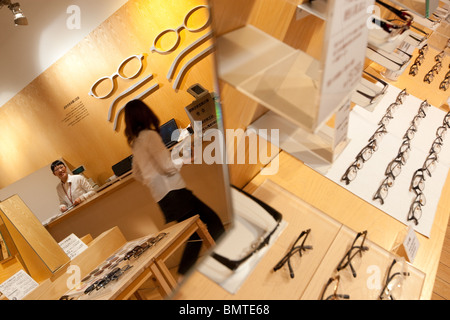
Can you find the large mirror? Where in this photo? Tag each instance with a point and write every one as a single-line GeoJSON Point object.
{"type": "Point", "coordinates": [156, 52]}
{"type": "Point", "coordinates": [254, 40]}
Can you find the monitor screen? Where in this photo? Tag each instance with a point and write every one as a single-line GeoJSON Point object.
{"type": "Point", "coordinates": [166, 130]}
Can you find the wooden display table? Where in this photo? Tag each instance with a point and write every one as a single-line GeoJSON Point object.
{"type": "Point", "coordinates": [329, 239]}
{"type": "Point", "coordinates": [150, 264]}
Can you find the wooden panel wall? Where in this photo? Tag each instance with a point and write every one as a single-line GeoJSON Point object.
{"type": "Point", "coordinates": [41, 123]}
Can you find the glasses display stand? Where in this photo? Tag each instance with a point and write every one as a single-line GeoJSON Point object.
{"type": "Point", "coordinates": [39, 253]}
{"type": "Point", "coordinates": [370, 268]}
{"type": "Point", "coordinates": [327, 242]}
{"type": "Point", "coordinates": [98, 250]}
{"type": "Point", "coordinates": [137, 262]}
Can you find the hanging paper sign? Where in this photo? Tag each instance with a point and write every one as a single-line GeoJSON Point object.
{"type": "Point", "coordinates": [345, 51]}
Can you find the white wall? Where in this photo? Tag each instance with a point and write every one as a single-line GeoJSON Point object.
{"type": "Point", "coordinates": [26, 51]}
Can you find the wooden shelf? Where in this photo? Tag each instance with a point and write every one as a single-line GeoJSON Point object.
{"type": "Point", "coordinates": [317, 8]}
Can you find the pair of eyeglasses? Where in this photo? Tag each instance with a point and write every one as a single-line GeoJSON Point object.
{"type": "Point", "coordinates": [366, 153]}
{"type": "Point", "coordinates": [114, 275]}
{"type": "Point", "coordinates": [292, 251]}
{"type": "Point", "coordinates": [429, 77]}
{"type": "Point", "coordinates": [393, 282]}
{"type": "Point", "coordinates": [421, 114]}
{"type": "Point", "coordinates": [363, 156]}
{"type": "Point", "coordinates": [355, 252]}
{"type": "Point", "coordinates": [393, 29]}
{"type": "Point", "coordinates": [348, 261]}
{"type": "Point", "coordinates": [335, 281]}
{"type": "Point", "coordinates": [414, 69]}
{"type": "Point", "coordinates": [393, 169]}
{"type": "Point", "coordinates": [440, 56]}
{"type": "Point", "coordinates": [141, 248]}
{"type": "Point", "coordinates": [446, 82]}
{"type": "Point", "coordinates": [234, 264]}
{"type": "Point", "coordinates": [375, 97]}
{"type": "Point", "coordinates": [396, 57]}
{"type": "Point", "coordinates": [59, 168]}
{"type": "Point", "coordinates": [402, 14]}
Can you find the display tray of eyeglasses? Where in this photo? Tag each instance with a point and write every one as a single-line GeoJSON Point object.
{"type": "Point", "coordinates": [388, 149]}
{"type": "Point", "coordinates": [105, 281]}
{"type": "Point", "coordinates": [308, 252]}
{"type": "Point", "coordinates": [287, 265]}
{"type": "Point", "coordinates": [358, 269]}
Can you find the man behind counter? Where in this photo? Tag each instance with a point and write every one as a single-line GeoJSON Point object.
{"type": "Point", "coordinates": [73, 189]}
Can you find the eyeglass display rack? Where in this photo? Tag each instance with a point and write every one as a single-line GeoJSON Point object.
{"type": "Point", "coordinates": [71, 280]}
{"type": "Point", "coordinates": [329, 240]}
{"type": "Point", "coordinates": [305, 91]}
{"type": "Point", "coordinates": [390, 48]}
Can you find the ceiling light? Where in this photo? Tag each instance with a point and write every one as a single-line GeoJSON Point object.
{"type": "Point", "coordinates": [19, 17]}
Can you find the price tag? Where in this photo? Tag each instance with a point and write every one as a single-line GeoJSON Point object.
{"type": "Point", "coordinates": [410, 245]}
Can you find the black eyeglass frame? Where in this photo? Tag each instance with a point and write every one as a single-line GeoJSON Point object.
{"type": "Point", "coordinates": [234, 264]}
{"type": "Point", "coordinates": [348, 257]}
{"type": "Point", "coordinates": [293, 250]}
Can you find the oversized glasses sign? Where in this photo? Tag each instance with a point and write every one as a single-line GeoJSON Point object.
{"type": "Point", "coordinates": [196, 20]}
{"type": "Point", "coordinates": [168, 40]}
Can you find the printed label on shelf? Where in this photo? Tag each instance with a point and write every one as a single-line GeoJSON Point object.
{"type": "Point", "coordinates": [18, 286]}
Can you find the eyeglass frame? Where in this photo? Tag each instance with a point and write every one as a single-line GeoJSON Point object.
{"type": "Point", "coordinates": [335, 295]}
{"type": "Point", "coordinates": [389, 279]}
{"type": "Point", "coordinates": [117, 73]}
{"type": "Point", "coordinates": [144, 246]}
{"type": "Point", "coordinates": [360, 249]}
{"type": "Point", "coordinates": [293, 250]}
{"type": "Point", "coordinates": [234, 264]}
{"type": "Point", "coordinates": [378, 94]}
{"type": "Point", "coordinates": [179, 28]}
{"type": "Point", "coordinates": [415, 204]}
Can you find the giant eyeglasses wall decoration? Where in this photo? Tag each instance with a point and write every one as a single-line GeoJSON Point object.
{"type": "Point", "coordinates": [166, 42]}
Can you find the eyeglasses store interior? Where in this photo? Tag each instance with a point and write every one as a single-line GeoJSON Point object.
{"type": "Point", "coordinates": [225, 150]}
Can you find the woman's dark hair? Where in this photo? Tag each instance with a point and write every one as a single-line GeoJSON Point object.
{"type": "Point", "coordinates": [138, 117]}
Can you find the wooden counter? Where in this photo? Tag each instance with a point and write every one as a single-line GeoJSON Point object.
{"type": "Point", "coordinates": [129, 205]}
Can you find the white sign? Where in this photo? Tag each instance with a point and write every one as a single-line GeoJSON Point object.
{"type": "Point", "coordinates": [18, 286]}
{"type": "Point", "coordinates": [345, 52]}
{"type": "Point", "coordinates": [72, 246]}
{"type": "Point", "coordinates": [203, 109]}
{"type": "Point", "coordinates": [411, 244]}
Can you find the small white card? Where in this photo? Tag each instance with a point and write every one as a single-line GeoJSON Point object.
{"type": "Point", "coordinates": [72, 246]}
{"type": "Point", "coordinates": [411, 244]}
{"type": "Point", "coordinates": [18, 286]}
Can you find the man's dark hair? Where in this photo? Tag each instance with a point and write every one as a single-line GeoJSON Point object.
{"type": "Point", "coordinates": [55, 164]}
